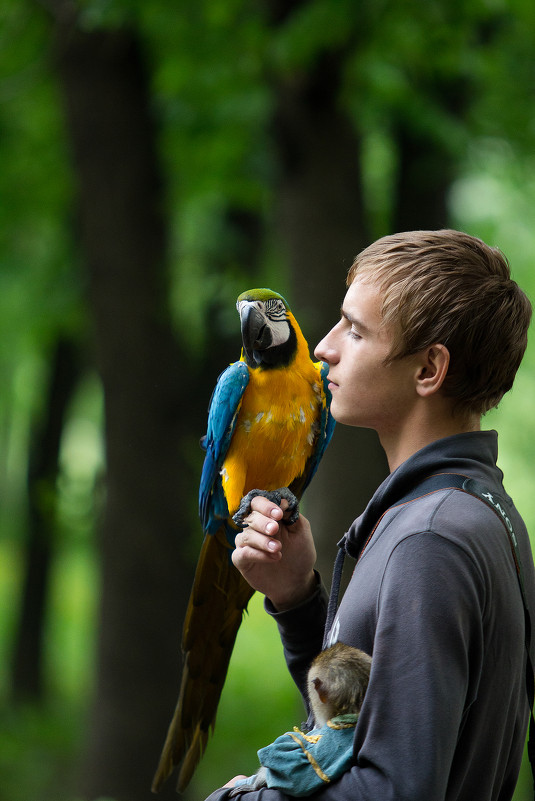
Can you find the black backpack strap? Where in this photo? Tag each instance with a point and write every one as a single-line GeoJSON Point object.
{"type": "Point", "coordinates": [499, 505]}
{"type": "Point", "coordinates": [434, 483]}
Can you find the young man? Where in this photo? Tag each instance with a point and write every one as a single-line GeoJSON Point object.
{"type": "Point", "coordinates": [431, 334]}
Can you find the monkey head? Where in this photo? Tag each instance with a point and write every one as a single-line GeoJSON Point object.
{"type": "Point", "coordinates": [337, 680]}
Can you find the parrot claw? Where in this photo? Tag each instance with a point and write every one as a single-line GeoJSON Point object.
{"type": "Point", "coordinates": [276, 496]}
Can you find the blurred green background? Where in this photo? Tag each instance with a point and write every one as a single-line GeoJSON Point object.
{"type": "Point", "coordinates": [156, 159]}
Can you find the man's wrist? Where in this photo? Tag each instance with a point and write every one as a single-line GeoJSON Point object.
{"type": "Point", "coordinates": [297, 596]}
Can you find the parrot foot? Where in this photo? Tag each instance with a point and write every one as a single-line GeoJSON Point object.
{"type": "Point", "coordinates": [276, 496]}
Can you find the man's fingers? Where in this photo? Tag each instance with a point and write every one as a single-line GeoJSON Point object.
{"type": "Point", "coordinates": [264, 523]}
{"type": "Point", "coordinates": [257, 540]}
{"type": "Point", "coordinates": [266, 507]}
{"type": "Point", "coordinates": [254, 547]}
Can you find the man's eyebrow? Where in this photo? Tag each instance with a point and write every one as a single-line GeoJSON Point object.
{"type": "Point", "coordinates": [354, 321]}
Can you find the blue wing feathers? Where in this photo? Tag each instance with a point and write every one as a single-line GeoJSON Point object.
{"type": "Point", "coordinates": [327, 423]}
{"type": "Point", "coordinates": [327, 420]}
{"type": "Point", "coordinates": [222, 414]}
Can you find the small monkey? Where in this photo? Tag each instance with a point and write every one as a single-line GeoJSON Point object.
{"type": "Point", "coordinates": [337, 680]}
{"type": "Point", "coordinates": [300, 763]}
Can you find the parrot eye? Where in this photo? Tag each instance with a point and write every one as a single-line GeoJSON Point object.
{"type": "Point", "coordinates": [275, 309]}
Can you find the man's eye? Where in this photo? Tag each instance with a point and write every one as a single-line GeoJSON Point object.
{"type": "Point", "coordinates": [355, 334]}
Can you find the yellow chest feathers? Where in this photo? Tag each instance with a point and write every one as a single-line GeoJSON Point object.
{"type": "Point", "coordinates": [276, 430]}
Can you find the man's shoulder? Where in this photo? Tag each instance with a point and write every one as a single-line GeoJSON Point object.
{"type": "Point", "coordinates": [450, 505]}
{"type": "Point", "coordinates": [451, 514]}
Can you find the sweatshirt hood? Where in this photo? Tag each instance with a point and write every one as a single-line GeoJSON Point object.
{"type": "Point", "coordinates": [473, 454]}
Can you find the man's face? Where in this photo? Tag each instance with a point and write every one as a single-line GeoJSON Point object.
{"type": "Point", "coordinates": [365, 391]}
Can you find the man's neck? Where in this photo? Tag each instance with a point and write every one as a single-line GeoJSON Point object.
{"type": "Point", "coordinates": [424, 429]}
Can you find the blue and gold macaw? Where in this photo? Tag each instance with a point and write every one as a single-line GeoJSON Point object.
{"type": "Point", "coordinates": [268, 426]}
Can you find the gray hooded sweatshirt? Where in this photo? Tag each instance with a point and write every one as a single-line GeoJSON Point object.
{"type": "Point", "coordinates": [434, 598]}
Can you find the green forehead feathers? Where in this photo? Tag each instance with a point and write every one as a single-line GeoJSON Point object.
{"type": "Point", "coordinates": [262, 294]}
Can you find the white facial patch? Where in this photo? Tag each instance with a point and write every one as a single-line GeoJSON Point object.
{"type": "Point", "coordinates": [280, 332]}
{"type": "Point", "coordinates": [274, 314]}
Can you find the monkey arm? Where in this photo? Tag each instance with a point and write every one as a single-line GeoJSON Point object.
{"type": "Point", "coordinates": [299, 764]}
{"type": "Point", "coordinates": [255, 782]}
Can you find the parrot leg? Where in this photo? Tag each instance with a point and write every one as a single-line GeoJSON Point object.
{"type": "Point", "coordinates": [276, 496]}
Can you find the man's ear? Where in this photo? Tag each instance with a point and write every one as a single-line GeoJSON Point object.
{"type": "Point", "coordinates": [435, 361]}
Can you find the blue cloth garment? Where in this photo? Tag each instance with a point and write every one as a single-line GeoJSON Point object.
{"type": "Point", "coordinates": [299, 763]}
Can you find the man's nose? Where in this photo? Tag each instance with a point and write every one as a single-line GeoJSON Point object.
{"type": "Point", "coordinates": [325, 351]}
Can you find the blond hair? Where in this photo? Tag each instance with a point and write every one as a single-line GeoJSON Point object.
{"type": "Point", "coordinates": [451, 288]}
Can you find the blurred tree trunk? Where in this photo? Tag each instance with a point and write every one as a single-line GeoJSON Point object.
{"type": "Point", "coordinates": [425, 173]}
{"type": "Point", "coordinates": [28, 657]}
{"type": "Point", "coordinates": [427, 168]}
{"type": "Point", "coordinates": [147, 522]}
{"type": "Point", "coordinates": [320, 215]}
{"type": "Point", "coordinates": [428, 161]}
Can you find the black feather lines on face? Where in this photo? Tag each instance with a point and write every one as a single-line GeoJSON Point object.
{"type": "Point", "coordinates": [257, 334]}
{"type": "Point", "coordinates": [278, 355]}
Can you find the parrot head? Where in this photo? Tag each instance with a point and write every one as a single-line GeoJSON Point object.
{"type": "Point", "coordinates": [267, 329]}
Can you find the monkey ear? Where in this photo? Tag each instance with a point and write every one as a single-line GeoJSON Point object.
{"type": "Point", "coordinates": [318, 685]}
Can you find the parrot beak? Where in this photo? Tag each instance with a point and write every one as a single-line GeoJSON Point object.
{"type": "Point", "coordinates": [256, 335]}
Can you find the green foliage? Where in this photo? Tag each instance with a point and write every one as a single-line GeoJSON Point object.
{"type": "Point", "coordinates": [493, 199]}
{"type": "Point", "coordinates": [40, 289]}
{"type": "Point", "coordinates": [10, 574]}
{"type": "Point", "coordinates": [38, 753]}
{"type": "Point", "coordinates": [36, 249]}
{"type": "Point", "coordinates": [82, 465]}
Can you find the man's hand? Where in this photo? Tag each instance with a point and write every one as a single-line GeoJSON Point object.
{"type": "Point", "coordinates": [275, 558]}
